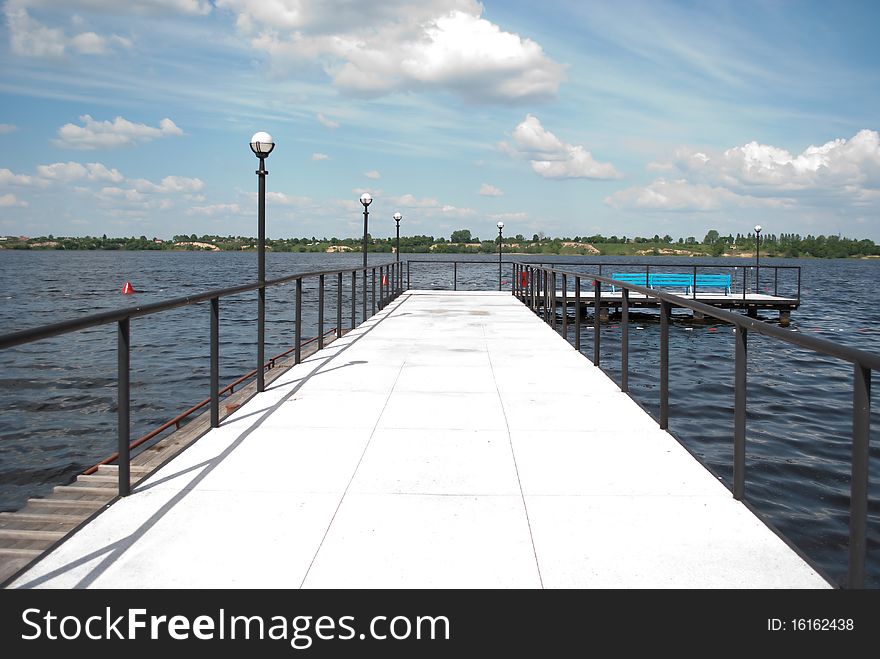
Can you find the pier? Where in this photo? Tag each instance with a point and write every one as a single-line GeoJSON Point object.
{"type": "Point", "coordinates": [424, 449]}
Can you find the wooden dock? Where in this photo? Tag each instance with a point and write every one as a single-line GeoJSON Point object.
{"type": "Point", "coordinates": [423, 449]}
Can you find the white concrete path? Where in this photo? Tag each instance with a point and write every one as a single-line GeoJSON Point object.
{"type": "Point", "coordinates": [423, 450]}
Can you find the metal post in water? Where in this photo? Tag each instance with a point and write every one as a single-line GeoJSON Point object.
{"type": "Point", "coordinates": [123, 386]}
{"type": "Point", "coordinates": [215, 362]}
{"type": "Point", "coordinates": [858, 499]}
{"type": "Point", "coordinates": [664, 364]}
{"type": "Point", "coordinates": [297, 326]}
{"type": "Point", "coordinates": [739, 413]}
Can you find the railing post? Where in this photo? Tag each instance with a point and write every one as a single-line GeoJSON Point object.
{"type": "Point", "coordinates": [338, 305]}
{"type": "Point", "coordinates": [565, 306]}
{"type": "Point", "coordinates": [664, 364]}
{"type": "Point", "coordinates": [381, 286]}
{"type": "Point", "coordinates": [624, 340]}
{"type": "Point", "coordinates": [408, 284]}
{"type": "Point", "coordinates": [597, 306]}
{"type": "Point", "coordinates": [215, 362]}
{"type": "Point", "coordinates": [553, 301]}
{"type": "Point", "coordinates": [858, 498]}
{"type": "Point", "coordinates": [739, 413]}
{"type": "Point", "coordinates": [455, 275]}
{"type": "Point", "coordinates": [297, 325]}
{"type": "Point", "coordinates": [320, 311]}
{"type": "Point", "coordinates": [123, 428]}
{"type": "Point", "coordinates": [744, 283]}
{"type": "Point", "coordinates": [353, 299]}
{"type": "Point", "coordinates": [694, 290]}
{"type": "Point", "coordinates": [577, 313]}
{"type": "Point", "coordinates": [775, 280]}
{"type": "Point", "coordinates": [261, 338]}
{"type": "Point", "coordinates": [374, 292]}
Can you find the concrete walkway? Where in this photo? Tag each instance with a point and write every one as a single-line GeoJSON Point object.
{"type": "Point", "coordinates": [423, 450]}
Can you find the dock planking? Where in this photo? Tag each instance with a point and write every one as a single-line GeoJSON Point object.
{"type": "Point", "coordinates": [424, 449]}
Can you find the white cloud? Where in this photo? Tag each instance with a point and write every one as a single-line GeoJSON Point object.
{"type": "Point", "coordinates": [143, 7]}
{"type": "Point", "coordinates": [444, 44]}
{"type": "Point", "coordinates": [454, 211]}
{"type": "Point", "coordinates": [411, 201]}
{"type": "Point", "coordinates": [327, 123]}
{"type": "Point", "coordinates": [8, 177]}
{"type": "Point", "coordinates": [111, 135]}
{"type": "Point", "coordinates": [373, 174]}
{"type": "Point", "coordinates": [215, 209]}
{"type": "Point", "coordinates": [168, 185]}
{"type": "Point", "coordinates": [7, 128]}
{"type": "Point", "coordinates": [284, 199]}
{"type": "Point", "coordinates": [840, 171]}
{"type": "Point", "coordinates": [320, 156]}
{"type": "Point", "coordinates": [9, 200]}
{"type": "Point", "coordinates": [490, 190]}
{"type": "Point", "coordinates": [681, 195]}
{"type": "Point", "coordinates": [72, 171]}
{"type": "Point", "coordinates": [551, 157]}
{"type": "Point", "coordinates": [30, 38]}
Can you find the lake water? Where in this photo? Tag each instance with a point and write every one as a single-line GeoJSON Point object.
{"type": "Point", "coordinates": [58, 396]}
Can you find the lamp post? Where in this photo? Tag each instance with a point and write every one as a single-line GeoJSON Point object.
{"type": "Point", "coordinates": [397, 218]}
{"type": "Point", "coordinates": [757, 256]}
{"type": "Point", "coordinates": [500, 226]}
{"type": "Point", "coordinates": [261, 145]}
{"type": "Point", "coordinates": [366, 200]}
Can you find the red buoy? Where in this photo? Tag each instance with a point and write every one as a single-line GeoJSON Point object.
{"type": "Point", "coordinates": [128, 289]}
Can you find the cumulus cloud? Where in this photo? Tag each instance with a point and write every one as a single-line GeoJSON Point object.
{"type": "Point", "coordinates": [8, 177]}
{"type": "Point", "coordinates": [490, 190]}
{"type": "Point", "coordinates": [373, 174]}
{"type": "Point", "coordinates": [141, 7]}
{"type": "Point", "coordinates": [111, 134]}
{"type": "Point", "coordinates": [444, 44]}
{"type": "Point", "coordinates": [7, 128]}
{"type": "Point", "coordinates": [682, 195]}
{"type": "Point", "coordinates": [839, 171]}
{"type": "Point", "coordinates": [9, 200]}
{"type": "Point", "coordinates": [215, 209]}
{"type": "Point", "coordinates": [551, 157]}
{"type": "Point", "coordinates": [411, 201]}
{"type": "Point", "coordinates": [29, 37]}
{"type": "Point", "coordinates": [320, 156]}
{"type": "Point", "coordinates": [327, 123]}
{"type": "Point", "coordinates": [72, 171]}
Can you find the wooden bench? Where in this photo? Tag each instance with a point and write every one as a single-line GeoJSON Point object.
{"type": "Point", "coordinates": [673, 280]}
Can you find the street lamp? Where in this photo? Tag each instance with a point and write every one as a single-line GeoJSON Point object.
{"type": "Point", "coordinates": [366, 200]}
{"type": "Point", "coordinates": [500, 226]}
{"type": "Point", "coordinates": [757, 256]}
{"type": "Point", "coordinates": [261, 145]}
{"type": "Point", "coordinates": [397, 218]}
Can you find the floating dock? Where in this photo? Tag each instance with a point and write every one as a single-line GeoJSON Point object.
{"type": "Point", "coordinates": [424, 449]}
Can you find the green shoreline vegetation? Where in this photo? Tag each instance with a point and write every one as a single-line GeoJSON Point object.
{"type": "Point", "coordinates": [462, 242]}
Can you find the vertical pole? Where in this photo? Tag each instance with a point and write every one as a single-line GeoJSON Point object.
{"type": "Point", "coordinates": [565, 306]}
{"type": "Point", "coordinates": [123, 428]}
{"type": "Point", "coordinates": [858, 499]}
{"type": "Point", "coordinates": [408, 285]}
{"type": "Point", "coordinates": [261, 275]}
{"type": "Point", "coordinates": [366, 214]}
{"type": "Point", "coordinates": [381, 286]}
{"type": "Point", "coordinates": [597, 305]}
{"type": "Point", "coordinates": [500, 244]}
{"type": "Point", "coordinates": [338, 305]}
{"type": "Point", "coordinates": [215, 362]}
{"type": "Point", "coordinates": [694, 283]}
{"type": "Point", "coordinates": [744, 282]}
{"type": "Point", "coordinates": [374, 292]}
{"type": "Point", "coordinates": [546, 297]}
{"type": "Point", "coordinates": [739, 413]}
{"type": "Point", "coordinates": [577, 313]}
{"type": "Point", "coordinates": [553, 301]}
{"type": "Point", "coordinates": [320, 311]}
{"type": "Point", "coordinates": [353, 298]}
{"type": "Point", "coordinates": [455, 275]}
{"type": "Point", "coordinates": [776, 280]}
{"type": "Point", "coordinates": [297, 326]}
{"type": "Point", "coordinates": [664, 364]}
{"type": "Point", "coordinates": [624, 340]}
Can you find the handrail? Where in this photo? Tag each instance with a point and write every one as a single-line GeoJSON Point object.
{"type": "Point", "coordinates": [389, 288]}
{"type": "Point", "coordinates": [537, 289]}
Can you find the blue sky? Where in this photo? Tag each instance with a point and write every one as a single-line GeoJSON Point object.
{"type": "Point", "coordinates": [567, 118]}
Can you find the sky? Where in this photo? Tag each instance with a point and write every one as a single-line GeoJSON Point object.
{"type": "Point", "coordinates": [567, 118]}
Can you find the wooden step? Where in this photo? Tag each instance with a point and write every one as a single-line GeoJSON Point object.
{"type": "Point", "coordinates": [111, 479]}
{"type": "Point", "coordinates": [12, 552]}
{"type": "Point", "coordinates": [82, 492]}
{"type": "Point", "coordinates": [26, 534]}
{"type": "Point", "coordinates": [114, 469]}
{"type": "Point", "coordinates": [39, 518]}
{"type": "Point", "coordinates": [95, 481]}
{"type": "Point", "coordinates": [55, 505]}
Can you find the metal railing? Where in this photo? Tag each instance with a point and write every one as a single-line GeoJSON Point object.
{"type": "Point", "coordinates": [749, 280]}
{"type": "Point", "coordinates": [496, 267]}
{"type": "Point", "coordinates": [389, 288]}
{"type": "Point", "coordinates": [535, 286]}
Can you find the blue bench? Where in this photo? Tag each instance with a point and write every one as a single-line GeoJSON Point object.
{"type": "Point", "coordinates": [673, 280]}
